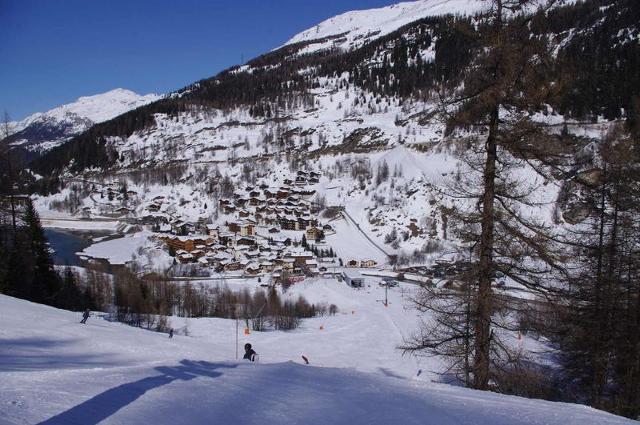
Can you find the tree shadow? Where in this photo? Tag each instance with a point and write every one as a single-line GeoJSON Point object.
{"type": "Point", "coordinates": [110, 401]}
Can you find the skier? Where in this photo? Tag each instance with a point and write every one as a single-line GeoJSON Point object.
{"type": "Point", "coordinates": [85, 316]}
{"type": "Point", "coordinates": [171, 333]}
{"type": "Point", "coordinates": [249, 354]}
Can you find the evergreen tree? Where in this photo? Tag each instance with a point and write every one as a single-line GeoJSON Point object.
{"type": "Point", "coordinates": [69, 297]}
{"type": "Point", "coordinates": [45, 280]}
{"type": "Point", "coordinates": [600, 327]}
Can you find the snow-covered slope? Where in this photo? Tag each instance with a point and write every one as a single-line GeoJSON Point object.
{"type": "Point", "coordinates": [359, 27]}
{"type": "Point", "coordinates": [55, 371]}
{"type": "Point", "coordinates": [45, 130]}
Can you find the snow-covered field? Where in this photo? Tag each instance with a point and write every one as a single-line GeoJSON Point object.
{"type": "Point", "coordinates": [54, 370]}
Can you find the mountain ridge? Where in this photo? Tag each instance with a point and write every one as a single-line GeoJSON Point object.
{"type": "Point", "coordinates": [43, 131]}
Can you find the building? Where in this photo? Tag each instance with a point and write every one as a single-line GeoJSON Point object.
{"type": "Point", "coordinates": [353, 279]}
{"type": "Point", "coordinates": [313, 233]}
{"type": "Point", "coordinates": [368, 263]}
{"type": "Point", "coordinates": [352, 263]}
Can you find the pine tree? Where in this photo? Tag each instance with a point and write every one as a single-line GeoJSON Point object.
{"type": "Point", "coordinates": [69, 297]}
{"type": "Point", "coordinates": [45, 283]}
{"type": "Point", "coordinates": [600, 328]}
{"type": "Point", "coordinates": [506, 84]}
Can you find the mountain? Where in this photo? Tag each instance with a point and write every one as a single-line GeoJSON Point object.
{"type": "Point", "coordinates": [348, 113]}
{"type": "Point", "coordinates": [312, 99]}
{"type": "Point", "coordinates": [354, 29]}
{"type": "Point", "coordinates": [43, 131]}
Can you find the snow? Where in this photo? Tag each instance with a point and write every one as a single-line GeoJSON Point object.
{"type": "Point", "coordinates": [75, 224]}
{"type": "Point", "coordinates": [140, 247]}
{"type": "Point", "coordinates": [97, 108]}
{"type": "Point", "coordinates": [362, 26]}
{"type": "Point", "coordinates": [56, 371]}
{"type": "Point", "coordinates": [350, 244]}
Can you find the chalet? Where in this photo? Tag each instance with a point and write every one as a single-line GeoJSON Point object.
{"type": "Point", "coordinates": [226, 239]}
{"type": "Point", "coordinates": [222, 257]}
{"type": "Point", "coordinates": [368, 263]}
{"type": "Point", "coordinates": [229, 209]}
{"type": "Point", "coordinates": [253, 269]}
{"type": "Point", "coordinates": [233, 226]}
{"type": "Point", "coordinates": [303, 222]}
{"type": "Point", "coordinates": [313, 233]}
{"type": "Point", "coordinates": [264, 248]}
{"type": "Point", "coordinates": [245, 241]}
{"type": "Point", "coordinates": [266, 266]}
{"type": "Point", "coordinates": [274, 230]}
{"type": "Point", "coordinates": [300, 257]}
{"type": "Point", "coordinates": [253, 254]}
{"type": "Point", "coordinates": [185, 258]}
{"type": "Point", "coordinates": [123, 211]}
{"type": "Point", "coordinates": [197, 253]}
{"type": "Point", "coordinates": [213, 230]}
{"type": "Point", "coordinates": [300, 180]}
{"type": "Point", "coordinates": [286, 263]}
{"type": "Point", "coordinates": [312, 266]}
{"type": "Point", "coordinates": [289, 223]}
{"type": "Point", "coordinates": [232, 266]}
{"type": "Point", "coordinates": [247, 229]}
{"type": "Point", "coordinates": [188, 244]}
{"type": "Point", "coordinates": [288, 182]}
{"type": "Point", "coordinates": [243, 213]}
{"type": "Point", "coordinates": [352, 263]}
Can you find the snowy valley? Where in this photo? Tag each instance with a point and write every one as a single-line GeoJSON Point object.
{"type": "Point", "coordinates": [314, 202]}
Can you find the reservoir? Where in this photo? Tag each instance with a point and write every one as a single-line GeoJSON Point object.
{"type": "Point", "coordinates": [66, 243]}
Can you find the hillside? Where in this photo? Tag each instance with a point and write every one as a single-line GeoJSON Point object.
{"type": "Point", "coordinates": [347, 114]}
{"type": "Point", "coordinates": [377, 94]}
{"type": "Point", "coordinates": [352, 30]}
{"type": "Point", "coordinates": [56, 371]}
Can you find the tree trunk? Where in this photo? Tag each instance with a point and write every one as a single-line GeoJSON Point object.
{"type": "Point", "coordinates": [483, 320]}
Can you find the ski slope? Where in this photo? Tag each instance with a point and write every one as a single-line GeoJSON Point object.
{"type": "Point", "coordinates": [55, 371]}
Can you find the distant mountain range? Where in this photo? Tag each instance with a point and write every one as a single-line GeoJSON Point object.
{"type": "Point", "coordinates": [43, 131]}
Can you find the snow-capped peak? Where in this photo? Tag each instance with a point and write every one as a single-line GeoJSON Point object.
{"type": "Point", "coordinates": [361, 26]}
{"type": "Point", "coordinates": [45, 130]}
{"type": "Point", "coordinates": [97, 108]}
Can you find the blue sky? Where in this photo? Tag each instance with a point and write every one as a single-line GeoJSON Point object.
{"type": "Point", "coordinates": [54, 51]}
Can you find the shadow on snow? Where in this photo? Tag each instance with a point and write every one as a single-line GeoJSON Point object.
{"type": "Point", "coordinates": [110, 401]}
